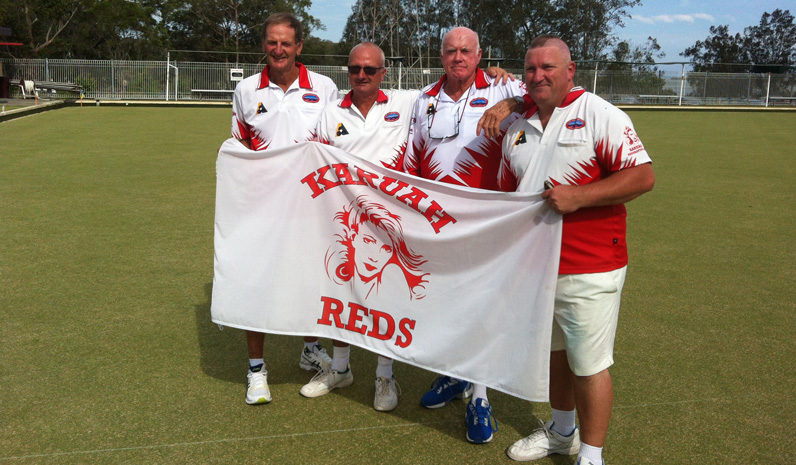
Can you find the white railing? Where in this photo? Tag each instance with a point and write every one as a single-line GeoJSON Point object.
{"type": "Point", "coordinates": [668, 84]}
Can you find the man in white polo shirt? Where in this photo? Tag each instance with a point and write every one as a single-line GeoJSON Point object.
{"type": "Point", "coordinates": [585, 156]}
{"type": "Point", "coordinates": [372, 124]}
{"type": "Point", "coordinates": [444, 146]}
{"type": "Point", "coordinates": [369, 122]}
{"type": "Point", "coordinates": [281, 105]}
{"type": "Point", "coordinates": [273, 109]}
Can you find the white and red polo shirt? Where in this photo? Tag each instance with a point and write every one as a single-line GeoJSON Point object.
{"type": "Point", "coordinates": [585, 140]}
{"type": "Point", "coordinates": [465, 159]}
{"type": "Point", "coordinates": [380, 137]}
{"type": "Point", "coordinates": [267, 116]}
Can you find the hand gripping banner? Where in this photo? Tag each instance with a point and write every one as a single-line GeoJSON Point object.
{"type": "Point", "coordinates": [313, 241]}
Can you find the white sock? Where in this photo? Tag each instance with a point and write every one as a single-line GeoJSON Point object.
{"type": "Point", "coordinates": [309, 345]}
{"type": "Point", "coordinates": [479, 392]}
{"type": "Point", "coordinates": [340, 358]}
{"type": "Point", "coordinates": [253, 362]}
{"type": "Point", "coordinates": [563, 422]}
{"type": "Point", "coordinates": [595, 454]}
{"type": "Point", "coordinates": [384, 368]}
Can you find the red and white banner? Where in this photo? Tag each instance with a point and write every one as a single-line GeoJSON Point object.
{"type": "Point", "coordinates": [313, 241]}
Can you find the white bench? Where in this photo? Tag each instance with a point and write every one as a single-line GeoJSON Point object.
{"type": "Point", "coordinates": [213, 91]}
{"type": "Point", "coordinates": [30, 88]}
{"type": "Point", "coordinates": [657, 98]}
{"type": "Point", "coordinates": [783, 100]}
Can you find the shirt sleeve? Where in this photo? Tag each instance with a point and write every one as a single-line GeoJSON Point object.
{"type": "Point", "coordinates": [617, 146]}
{"type": "Point", "coordinates": [320, 130]}
{"type": "Point", "coordinates": [240, 129]}
{"type": "Point", "coordinates": [414, 141]}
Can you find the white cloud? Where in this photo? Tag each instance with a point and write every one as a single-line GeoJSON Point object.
{"type": "Point", "coordinates": [704, 16]}
{"type": "Point", "coordinates": [643, 19]}
{"type": "Point", "coordinates": [673, 18]}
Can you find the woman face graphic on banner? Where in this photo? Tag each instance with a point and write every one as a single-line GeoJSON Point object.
{"type": "Point", "coordinates": [374, 252]}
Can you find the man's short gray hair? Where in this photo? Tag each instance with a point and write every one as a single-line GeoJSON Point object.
{"type": "Point", "coordinates": [382, 58]}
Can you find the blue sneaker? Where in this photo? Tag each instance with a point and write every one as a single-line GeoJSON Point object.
{"type": "Point", "coordinates": [444, 389]}
{"type": "Point", "coordinates": [480, 422]}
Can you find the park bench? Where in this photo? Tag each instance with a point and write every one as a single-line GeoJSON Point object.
{"type": "Point", "coordinates": [31, 88]}
{"type": "Point", "coordinates": [201, 92]}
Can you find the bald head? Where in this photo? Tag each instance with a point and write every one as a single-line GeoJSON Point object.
{"type": "Point", "coordinates": [460, 56]}
{"type": "Point", "coordinates": [549, 73]}
{"type": "Point", "coordinates": [461, 33]}
{"type": "Point", "coordinates": [549, 40]}
{"type": "Point", "coordinates": [367, 48]}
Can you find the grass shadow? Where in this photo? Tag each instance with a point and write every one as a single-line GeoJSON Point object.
{"type": "Point", "coordinates": [223, 356]}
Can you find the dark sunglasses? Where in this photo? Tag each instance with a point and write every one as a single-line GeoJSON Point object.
{"type": "Point", "coordinates": [369, 70]}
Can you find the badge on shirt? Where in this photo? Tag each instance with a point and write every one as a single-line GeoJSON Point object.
{"type": "Point", "coordinates": [261, 108]}
{"type": "Point", "coordinates": [341, 130]}
{"type": "Point", "coordinates": [576, 123]}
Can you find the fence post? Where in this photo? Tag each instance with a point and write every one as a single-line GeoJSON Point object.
{"type": "Point", "coordinates": [768, 89]}
{"type": "Point", "coordinates": [682, 85]}
{"type": "Point", "coordinates": [594, 89]}
{"type": "Point", "coordinates": [113, 81]}
{"type": "Point", "coordinates": [46, 69]}
{"type": "Point", "coordinates": [168, 57]}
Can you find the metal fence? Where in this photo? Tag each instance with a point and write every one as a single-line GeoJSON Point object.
{"type": "Point", "coordinates": [183, 80]}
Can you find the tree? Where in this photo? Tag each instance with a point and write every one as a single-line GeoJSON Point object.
{"type": "Point", "coordinates": [632, 69]}
{"type": "Point", "coordinates": [141, 29]}
{"type": "Point", "coordinates": [408, 28]}
{"type": "Point", "coordinates": [717, 51]}
{"type": "Point", "coordinates": [38, 23]}
{"type": "Point", "coordinates": [588, 25]}
{"type": "Point", "coordinates": [229, 25]}
{"type": "Point", "coordinates": [768, 47]}
{"type": "Point", "coordinates": [414, 28]}
{"type": "Point", "coordinates": [771, 43]}
{"type": "Point", "coordinates": [115, 29]}
{"type": "Point", "coordinates": [511, 26]}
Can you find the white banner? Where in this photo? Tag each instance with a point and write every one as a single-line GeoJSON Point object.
{"type": "Point", "coordinates": [313, 241]}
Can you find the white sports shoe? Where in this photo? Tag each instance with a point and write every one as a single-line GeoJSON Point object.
{"type": "Point", "coordinates": [258, 391]}
{"type": "Point", "coordinates": [543, 442]}
{"type": "Point", "coordinates": [585, 461]}
{"type": "Point", "coordinates": [387, 391]}
{"type": "Point", "coordinates": [315, 359]}
{"type": "Point", "coordinates": [326, 380]}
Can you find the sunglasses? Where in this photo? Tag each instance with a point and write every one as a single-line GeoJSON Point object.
{"type": "Point", "coordinates": [369, 70]}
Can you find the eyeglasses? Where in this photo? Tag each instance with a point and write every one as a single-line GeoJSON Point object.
{"type": "Point", "coordinates": [369, 70]}
{"type": "Point", "coordinates": [447, 125]}
{"type": "Point", "coordinates": [444, 122]}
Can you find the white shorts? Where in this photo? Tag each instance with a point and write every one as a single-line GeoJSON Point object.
{"type": "Point", "coordinates": [585, 318]}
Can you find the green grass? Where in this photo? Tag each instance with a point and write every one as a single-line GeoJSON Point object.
{"type": "Point", "coordinates": [108, 355]}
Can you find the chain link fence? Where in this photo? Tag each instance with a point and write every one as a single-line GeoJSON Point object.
{"type": "Point", "coordinates": [619, 83]}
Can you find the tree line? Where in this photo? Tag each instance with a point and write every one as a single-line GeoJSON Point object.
{"type": "Point", "coordinates": [411, 29]}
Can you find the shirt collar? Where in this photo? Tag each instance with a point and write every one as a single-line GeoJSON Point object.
{"type": "Point", "coordinates": [530, 107]}
{"type": "Point", "coordinates": [573, 95]}
{"type": "Point", "coordinates": [480, 82]}
{"type": "Point", "coordinates": [303, 80]}
{"type": "Point", "coordinates": [347, 101]}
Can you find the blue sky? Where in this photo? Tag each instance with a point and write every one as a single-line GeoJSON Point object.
{"type": "Point", "coordinates": [677, 24]}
